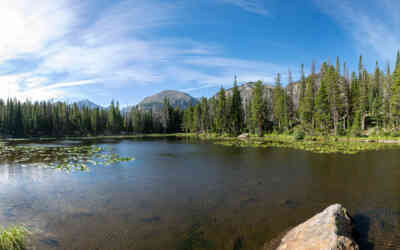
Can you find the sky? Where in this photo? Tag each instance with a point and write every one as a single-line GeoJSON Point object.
{"type": "Point", "coordinates": [126, 50]}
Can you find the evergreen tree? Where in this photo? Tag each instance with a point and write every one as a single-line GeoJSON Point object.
{"type": "Point", "coordinates": [236, 112]}
{"type": "Point", "coordinates": [335, 101]}
{"type": "Point", "coordinates": [205, 115]}
{"type": "Point", "coordinates": [354, 97]}
{"type": "Point", "coordinates": [257, 116]}
{"type": "Point", "coordinates": [308, 106]}
{"type": "Point", "coordinates": [220, 116]}
{"type": "Point", "coordinates": [387, 95]}
{"type": "Point", "coordinates": [376, 98]}
{"type": "Point", "coordinates": [302, 95]}
{"type": "Point", "coordinates": [322, 116]}
{"type": "Point", "coordinates": [280, 105]}
{"type": "Point", "coordinates": [196, 124]}
{"type": "Point", "coordinates": [395, 98]}
{"type": "Point", "coordinates": [364, 100]}
{"type": "Point", "coordinates": [291, 110]}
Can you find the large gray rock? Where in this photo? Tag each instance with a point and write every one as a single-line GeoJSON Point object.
{"type": "Point", "coordinates": [244, 136]}
{"type": "Point", "coordinates": [331, 229]}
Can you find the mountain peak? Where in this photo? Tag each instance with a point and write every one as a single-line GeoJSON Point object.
{"type": "Point", "coordinates": [175, 98]}
{"type": "Point", "coordinates": [87, 103]}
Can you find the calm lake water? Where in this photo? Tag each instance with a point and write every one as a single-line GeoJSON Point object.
{"type": "Point", "coordinates": [195, 195]}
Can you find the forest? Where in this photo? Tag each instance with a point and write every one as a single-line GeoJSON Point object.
{"type": "Point", "coordinates": [45, 118]}
{"type": "Point", "coordinates": [329, 102]}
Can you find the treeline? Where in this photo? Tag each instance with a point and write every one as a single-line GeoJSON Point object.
{"type": "Point", "coordinates": [22, 119]}
{"type": "Point", "coordinates": [142, 121]}
{"type": "Point", "coordinates": [331, 101]}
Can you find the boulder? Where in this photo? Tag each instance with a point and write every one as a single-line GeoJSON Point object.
{"type": "Point", "coordinates": [243, 136]}
{"type": "Point", "coordinates": [332, 229]}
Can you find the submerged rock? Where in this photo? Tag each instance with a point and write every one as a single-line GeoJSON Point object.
{"type": "Point", "coordinates": [332, 229]}
{"type": "Point", "coordinates": [151, 219]}
{"type": "Point", "coordinates": [289, 204]}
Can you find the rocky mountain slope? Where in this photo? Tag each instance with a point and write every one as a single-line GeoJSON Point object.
{"type": "Point", "coordinates": [176, 99]}
{"type": "Point", "coordinates": [87, 103]}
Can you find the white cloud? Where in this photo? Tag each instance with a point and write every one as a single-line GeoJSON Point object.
{"type": "Point", "coordinates": [116, 47]}
{"type": "Point", "coordinates": [371, 24]}
{"type": "Point", "coordinates": [247, 70]}
{"type": "Point", "coordinates": [28, 26]}
{"type": "Point", "coordinates": [254, 6]}
{"type": "Point", "coordinates": [68, 84]}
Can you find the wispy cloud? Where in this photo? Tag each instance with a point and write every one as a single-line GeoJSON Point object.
{"type": "Point", "coordinates": [55, 47]}
{"type": "Point", "coordinates": [254, 6]}
{"type": "Point", "coordinates": [68, 84]}
{"type": "Point", "coordinates": [28, 26]}
{"type": "Point", "coordinates": [372, 24]}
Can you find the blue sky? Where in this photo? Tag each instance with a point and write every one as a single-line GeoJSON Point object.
{"type": "Point", "coordinates": [126, 50]}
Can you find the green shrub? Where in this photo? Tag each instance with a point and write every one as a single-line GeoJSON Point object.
{"type": "Point", "coordinates": [373, 131]}
{"type": "Point", "coordinates": [13, 238]}
{"type": "Point", "coordinates": [356, 132]}
{"type": "Point", "coordinates": [299, 135]}
{"type": "Point", "coordinates": [395, 133]}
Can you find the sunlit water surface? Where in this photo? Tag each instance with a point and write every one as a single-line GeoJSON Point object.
{"type": "Point", "coordinates": [190, 195]}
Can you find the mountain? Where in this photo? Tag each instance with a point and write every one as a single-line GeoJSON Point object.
{"type": "Point", "coordinates": [176, 99]}
{"type": "Point", "coordinates": [87, 103]}
{"type": "Point", "coordinates": [246, 91]}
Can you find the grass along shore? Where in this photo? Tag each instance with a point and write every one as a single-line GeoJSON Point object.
{"type": "Point", "coordinates": [13, 238]}
{"type": "Point", "coordinates": [316, 144]}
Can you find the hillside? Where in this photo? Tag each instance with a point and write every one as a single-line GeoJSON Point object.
{"type": "Point", "coordinates": [87, 103]}
{"type": "Point", "coordinates": [176, 99]}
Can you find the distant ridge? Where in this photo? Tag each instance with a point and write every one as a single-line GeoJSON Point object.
{"type": "Point", "coordinates": [87, 104]}
{"type": "Point", "coordinates": [177, 99]}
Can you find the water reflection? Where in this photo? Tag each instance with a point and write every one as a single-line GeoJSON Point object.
{"type": "Point", "coordinates": [179, 195]}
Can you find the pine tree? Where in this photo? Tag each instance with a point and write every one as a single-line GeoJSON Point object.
{"type": "Point", "coordinates": [220, 116]}
{"type": "Point", "coordinates": [188, 119]}
{"type": "Point", "coordinates": [236, 112]}
{"type": "Point", "coordinates": [376, 102]}
{"type": "Point", "coordinates": [364, 102]}
{"type": "Point", "coordinates": [354, 97]}
{"type": "Point", "coordinates": [196, 124]}
{"type": "Point", "coordinates": [205, 115]}
{"type": "Point", "coordinates": [387, 95]}
{"type": "Point", "coordinates": [308, 106]}
{"type": "Point", "coordinates": [395, 99]}
{"type": "Point", "coordinates": [257, 116]}
{"type": "Point", "coordinates": [280, 110]}
{"type": "Point", "coordinates": [335, 101]}
{"type": "Point", "coordinates": [290, 98]}
{"type": "Point", "coordinates": [322, 106]}
{"type": "Point", "coordinates": [300, 109]}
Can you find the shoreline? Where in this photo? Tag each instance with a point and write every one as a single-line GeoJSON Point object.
{"type": "Point", "coordinates": [315, 144]}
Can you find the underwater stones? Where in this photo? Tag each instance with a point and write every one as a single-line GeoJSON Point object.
{"type": "Point", "coordinates": [151, 219]}
{"type": "Point", "coordinates": [330, 229]}
{"type": "Point", "coordinates": [289, 204]}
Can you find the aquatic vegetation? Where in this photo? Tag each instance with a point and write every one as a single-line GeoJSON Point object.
{"type": "Point", "coordinates": [65, 158]}
{"type": "Point", "coordinates": [313, 144]}
{"type": "Point", "coordinates": [13, 238]}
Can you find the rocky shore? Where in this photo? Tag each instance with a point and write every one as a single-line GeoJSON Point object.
{"type": "Point", "coordinates": [332, 229]}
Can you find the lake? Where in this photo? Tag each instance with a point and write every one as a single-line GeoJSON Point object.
{"type": "Point", "coordinates": [181, 194]}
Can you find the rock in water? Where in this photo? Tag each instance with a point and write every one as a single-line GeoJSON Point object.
{"type": "Point", "coordinates": [243, 136]}
{"type": "Point", "coordinates": [331, 229]}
